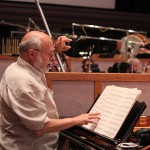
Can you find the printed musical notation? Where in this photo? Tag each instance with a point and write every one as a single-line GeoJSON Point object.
{"type": "Point", "coordinates": [114, 104]}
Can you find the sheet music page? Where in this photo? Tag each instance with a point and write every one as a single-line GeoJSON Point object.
{"type": "Point", "coordinates": [114, 104]}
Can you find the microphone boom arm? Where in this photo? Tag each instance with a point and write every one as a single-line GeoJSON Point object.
{"type": "Point", "coordinates": [49, 33]}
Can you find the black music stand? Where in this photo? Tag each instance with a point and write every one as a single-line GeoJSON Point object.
{"type": "Point", "coordinates": [94, 140]}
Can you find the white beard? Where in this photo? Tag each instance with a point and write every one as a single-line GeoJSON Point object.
{"type": "Point", "coordinates": [38, 64]}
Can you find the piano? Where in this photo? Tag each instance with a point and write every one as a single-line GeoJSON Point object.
{"type": "Point", "coordinates": [80, 138]}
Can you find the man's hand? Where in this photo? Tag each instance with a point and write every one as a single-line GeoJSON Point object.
{"type": "Point", "coordinates": [84, 119]}
{"type": "Point", "coordinates": [61, 43]}
{"type": "Point", "coordinates": [56, 125]}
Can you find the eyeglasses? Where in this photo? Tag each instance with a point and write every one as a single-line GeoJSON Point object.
{"type": "Point", "coordinates": [49, 54]}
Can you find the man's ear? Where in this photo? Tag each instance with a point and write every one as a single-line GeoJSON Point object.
{"type": "Point", "coordinates": [31, 54]}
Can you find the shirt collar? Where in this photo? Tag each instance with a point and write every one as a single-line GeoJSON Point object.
{"type": "Point", "coordinates": [37, 74]}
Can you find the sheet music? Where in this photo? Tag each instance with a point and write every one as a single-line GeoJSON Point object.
{"type": "Point", "coordinates": [114, 104]}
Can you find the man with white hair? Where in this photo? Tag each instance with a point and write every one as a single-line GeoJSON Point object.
{"type": "Point", "coordinates": [29, 118]}
{"type": "Point", "coordinates": [135, 64]}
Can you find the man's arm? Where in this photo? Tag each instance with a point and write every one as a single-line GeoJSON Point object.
{"type": "Point", "coordinates": [56, 125]}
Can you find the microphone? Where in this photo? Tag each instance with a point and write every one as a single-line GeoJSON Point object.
{"type": "Point", "coordinates": [76, 37]}
{"type": "Point", "coordinates": [73, 36]}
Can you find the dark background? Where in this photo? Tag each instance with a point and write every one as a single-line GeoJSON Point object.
{"type": "Point", "coordinates": [128, 14]}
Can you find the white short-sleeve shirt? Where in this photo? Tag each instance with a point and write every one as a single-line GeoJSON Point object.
{"type": "Point", "coordinates": [26, 104]}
